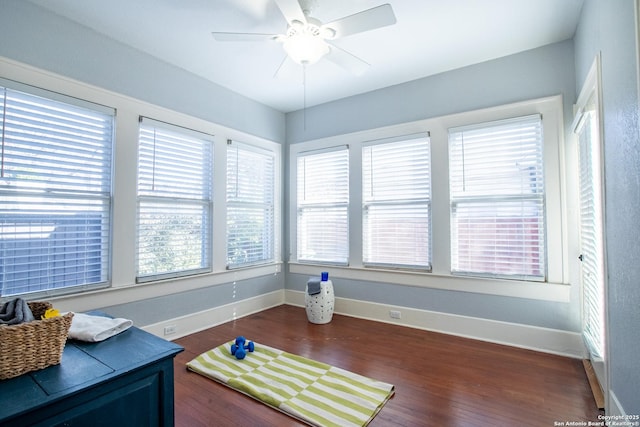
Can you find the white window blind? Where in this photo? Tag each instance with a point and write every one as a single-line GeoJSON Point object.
{"type": "Point", "coordinates": [497, 199]}
{"type": "Point", "coordinates": [323, 202]}
{"type": "Point", "coordinates": [250, 205]}
{"type": "Point", "coordinates": [591, 233]}
{"type": "Point", "coordinates": [55, 192]}
{"type": "Point", "coordinates": [175, 169]}
{"type": "Point", "coordinates": [396, 196]}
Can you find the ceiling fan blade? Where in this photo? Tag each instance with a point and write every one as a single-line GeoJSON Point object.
{"type": "Point", "coordinates": [291, 10]}
{"type": "Point", "coordinates": [347, 60]}
{"type": "Point", "coordinates": [369, 19]}
{"type": "Point", "coordinates": [242, 37]}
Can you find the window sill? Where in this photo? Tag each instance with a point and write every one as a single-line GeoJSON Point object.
{"type": "Point", "coordinates": [544, 291]}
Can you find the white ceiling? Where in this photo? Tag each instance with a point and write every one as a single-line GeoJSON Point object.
{"type": "Point", "coordinates": [430, 36]}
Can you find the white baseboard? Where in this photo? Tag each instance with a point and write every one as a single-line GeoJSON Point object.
{"type": "Point", "coordinates": [194, 322]}
{"type": "Point", "coordinates": [517, 335]}
{"type": "Point", "coordinates": [614, 408]}
{"type": "Point", "coordinates": [530, 337]}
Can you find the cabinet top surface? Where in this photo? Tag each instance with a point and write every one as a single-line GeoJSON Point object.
{"type": "Point", "coordinates": [84, 365]}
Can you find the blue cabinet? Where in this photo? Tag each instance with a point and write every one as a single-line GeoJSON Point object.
{"type": "Point", "coordinates": [126, 380]}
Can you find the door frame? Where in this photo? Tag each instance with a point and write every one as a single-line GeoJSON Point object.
{"type": "Point", "coordinates": [592, 87]}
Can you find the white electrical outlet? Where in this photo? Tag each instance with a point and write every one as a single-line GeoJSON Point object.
{"type": "Point", "coordinates": [171, 329]}
{"type": "Point", "coordinates": [395, 314]}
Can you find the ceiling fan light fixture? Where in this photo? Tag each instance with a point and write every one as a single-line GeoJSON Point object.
{"type": "Point", "coordinates": [305, 48]}
{"type": "Point", "coordinates": [304, 42]}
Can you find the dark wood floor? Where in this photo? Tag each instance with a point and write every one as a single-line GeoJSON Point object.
{"type": "Point", "coordinates": [440, 380]}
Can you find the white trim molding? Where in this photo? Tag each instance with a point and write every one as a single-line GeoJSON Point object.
{"type": "Point", "coordinates": [553, 341]}
{"type": "Point", "coordinates": [615, 409]}
{"type": "Point", "coordinates": [201, 320]}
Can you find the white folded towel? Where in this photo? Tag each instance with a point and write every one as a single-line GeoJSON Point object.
{"type": "Point", "coordinates": [86, 327]}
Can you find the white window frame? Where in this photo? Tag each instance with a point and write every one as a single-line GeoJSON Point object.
{"type": "Point", "coordinates": [415, 203]}
{"type": "Point", "coordinates": [148, 196]}
{"type": "Point", "coordinates": [554, 289]}
{"type": "Point", "coordinates": [269, 240]}
{"type": "Point", "coordinates": [321, 205]}
{"type": "Point", "coordinates": [588, 133]}
{"type": "Point", "coordinates": [494, 196]}
{"type": "Point", "coordinates": [57, 199]}
{"type": "Point", "coordinates": [122, 287]}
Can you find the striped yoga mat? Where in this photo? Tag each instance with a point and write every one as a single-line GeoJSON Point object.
{"type": "Point", "coordinates": [313, 392]}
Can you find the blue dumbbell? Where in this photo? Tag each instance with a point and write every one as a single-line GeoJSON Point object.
{"type": "Point", "coordinates": [239, 349]}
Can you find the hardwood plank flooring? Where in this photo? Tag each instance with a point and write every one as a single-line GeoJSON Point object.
{"type": "Point", "coordinates": [440, 380]}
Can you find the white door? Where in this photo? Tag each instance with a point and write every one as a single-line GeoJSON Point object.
{"type": "Point", "coordinates": [592, 257]}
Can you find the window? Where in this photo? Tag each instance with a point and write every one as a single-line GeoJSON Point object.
{"type": "Point", "coordinates": [497, 199]}
{"type": "Point", "coordinates": [55, 192]}
{"type": "Point", "coordinates": [396, 212]}
{"type": "Point", "coordinates": [250, 205]}
{"type": "Point", "coordinates": [174, 201]}
{"type": "Point", "coordinates": [587, 125]}
{"type": "Point", "coordinates": [477, 196]}
{"type": "Point", "coordinates": [591, 229]}
{"type": "Point", "coordinates": [322, 204]}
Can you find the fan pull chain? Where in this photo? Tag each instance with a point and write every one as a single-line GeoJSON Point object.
{"type": "Point", "coordinates": [304, 96]}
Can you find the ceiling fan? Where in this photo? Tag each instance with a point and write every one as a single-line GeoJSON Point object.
{"type": "Point", "coordinates": [307, 40]}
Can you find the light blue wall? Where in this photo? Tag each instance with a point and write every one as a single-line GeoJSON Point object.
{"type": "Point", "coordinates": [554, 315]}
{"type": "Point", "coordinates": [533, 74]}
{"type": "Point", "coordinates": [155, 310]}
{"type": "Point", "coordinates": [34, 36]}
{"type": "Point", "coordinates": [608, 27]}
{"type": "Point", "coordinates": [529, 75]}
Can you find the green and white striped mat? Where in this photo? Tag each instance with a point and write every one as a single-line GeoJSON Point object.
{"type": "Point", "coordinates": [313, 392]}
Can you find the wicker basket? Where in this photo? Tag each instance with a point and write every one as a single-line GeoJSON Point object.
{"type": "Point", "coordinates": [33, 345]}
